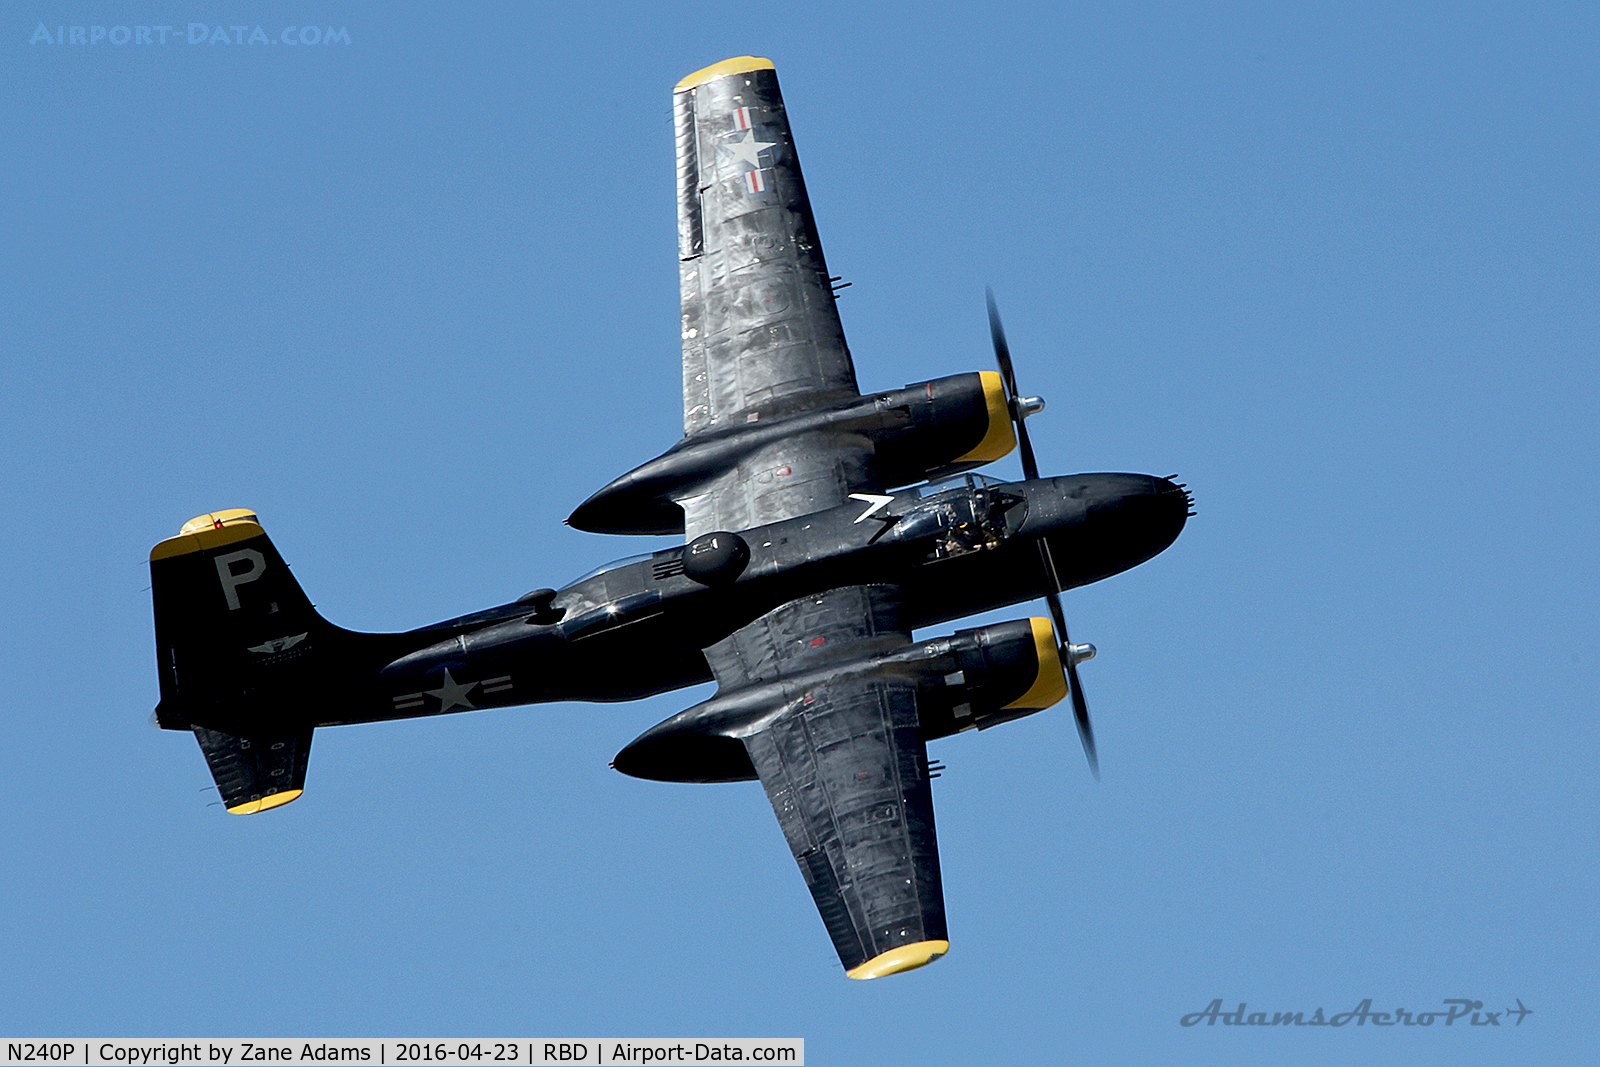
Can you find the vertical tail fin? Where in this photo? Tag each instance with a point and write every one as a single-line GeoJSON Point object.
{"type": "Point", "coordinates": [244, 659]}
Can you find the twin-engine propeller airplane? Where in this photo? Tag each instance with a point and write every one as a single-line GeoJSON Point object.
{"type": "Point", "coordinates": [804, 573]}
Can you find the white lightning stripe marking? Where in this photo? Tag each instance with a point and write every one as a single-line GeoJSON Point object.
{"type": "Point", "coordinates": [876, 503]}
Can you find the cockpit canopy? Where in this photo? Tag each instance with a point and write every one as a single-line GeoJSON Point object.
{"type": "Point", "coordinates": [967, 513]}
{"type": "Point", "coordinates": [971, 481]}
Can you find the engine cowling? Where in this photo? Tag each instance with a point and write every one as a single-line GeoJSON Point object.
{"type": "Point", "coordinates": [1005, 671]}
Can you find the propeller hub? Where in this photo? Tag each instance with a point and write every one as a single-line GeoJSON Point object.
{"type": "Point", "coordinates": [1078, 653]}
{"type": "Point", "coordinates": [1029, 405]}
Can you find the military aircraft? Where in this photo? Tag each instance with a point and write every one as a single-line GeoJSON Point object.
{"type": "Point", "coordinates": [822, 527]}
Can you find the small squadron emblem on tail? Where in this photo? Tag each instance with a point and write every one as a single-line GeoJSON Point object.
{"type": "Point", "coordinates": [278, 644]}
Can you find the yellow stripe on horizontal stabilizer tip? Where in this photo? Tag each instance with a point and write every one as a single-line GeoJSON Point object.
{"type": "Point", "coordinates": [1050, 683]}
{"type": "Point", "coordinates": [904, 958]}
{"type": "Point", "coordinates": [212, 530]}
{"type": "Point", "coordinates": [276, 800]}
{"type": "Point", "coordinates": [1000, 438]}
{"type": "Point", "coordinates": [737, 65]}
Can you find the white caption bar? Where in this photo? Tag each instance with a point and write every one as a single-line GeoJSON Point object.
{"type": "Point", "coordinates": [387, 1052]}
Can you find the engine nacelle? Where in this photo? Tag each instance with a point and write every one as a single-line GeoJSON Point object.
{"type": "Point", "coordinates": [971, 679]}
{"type": "Point", "coordinates": [1004, 672]}
{"type": "Point", "coordinates": [923, 431]}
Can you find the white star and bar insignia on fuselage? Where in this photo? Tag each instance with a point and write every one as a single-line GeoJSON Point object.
{"type": "Point", "coordinates": [451, 693]}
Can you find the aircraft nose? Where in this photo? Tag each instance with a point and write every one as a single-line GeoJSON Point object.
{"type": "Point", "coordinates": [1145, 514]}
{"type": "Point", "coordinates": [1106, 523]}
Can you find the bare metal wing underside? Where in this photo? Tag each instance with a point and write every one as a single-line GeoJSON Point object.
{"type": "Point", "coordinates": [846, 771]}
{"type": "Point", "coordinates": [761, 332]}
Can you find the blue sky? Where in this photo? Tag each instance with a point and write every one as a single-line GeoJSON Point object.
{"type": "Point", "coordinates": [414, 298]}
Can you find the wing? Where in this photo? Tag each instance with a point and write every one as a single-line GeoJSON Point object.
{"type": "Point", "coordinates": [847, 774]}
{"type": "Point", "coordinates": [842, 764]}
{"type": "Point", "coordinates": [761, 332]}
{"type": "Point", "coordinates": [785, 479]}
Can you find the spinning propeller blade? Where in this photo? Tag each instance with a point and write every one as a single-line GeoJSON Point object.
{"type": "Point", "coordinates": [1021, 407]}
{"type": "Point", "coordinates": [1002, 356]}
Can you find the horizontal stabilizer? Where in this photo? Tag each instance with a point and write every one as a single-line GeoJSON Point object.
{"type": "Point", "coordinates": [256, 773]}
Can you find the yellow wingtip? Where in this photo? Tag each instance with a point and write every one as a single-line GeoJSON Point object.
{"type": "Point", "coordinates": [267, 803]}
{"type": "Point", "coordinates": [736, 65]}
{"type": "Point", "coordinates": [904, 958]}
